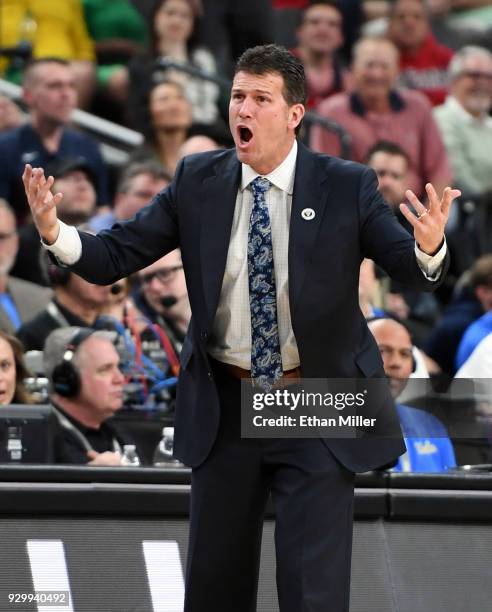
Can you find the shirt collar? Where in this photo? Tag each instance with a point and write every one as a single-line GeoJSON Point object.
{"type": "Point", "coordinates": [282, 176]}
{"type": "Point", "coordinates": [397, 103]}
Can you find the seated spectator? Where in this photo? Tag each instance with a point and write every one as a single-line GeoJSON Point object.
{"type": "Point", "coordinates": [13, 372]}
{"type": "Point", "coordinates": [375, 111]}
{"type": "Point", "coordinates": [75, 179]}
{"type": "Point", "coordinates": [138, 184]}
{"type": "Point", "coordinates": [86, 390]}
{"type": "Point", "coordinates": [170, 115]}
{"type": "Point", "coordinates": [20, 300]}
{"type": "Point", "coordinates": [390, 162]}
{"type": "Point", "coordinates": [163, 297]}
{"type": "Point", "coordinates": [423, 61]}
{"type": "Point", "coordinates": [173, 27]}
{"type": "Point", "coordinates": [429, 448]}
{"type": "Point", "coordinates": [75, 303]}
{"type": "Point", "coordinates": [470, 303]}
{"type": "Point", "coordinates": [54, 29]}
{"type": "Point", "coordinates": [10, 114]}
{"type": "Point", "coordinates": [319, 37]}
{"type": "Point", "coordinates": [49, 92]}
{"type": "Point", "coordinates": [464, 120]}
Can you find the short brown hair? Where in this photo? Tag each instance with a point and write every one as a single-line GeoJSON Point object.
{"type": "Point", "coordinates": [481, 272]}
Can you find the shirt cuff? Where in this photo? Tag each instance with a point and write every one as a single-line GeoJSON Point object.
{"type": "Point", "coordinates": [67, 248]}
{"type": "Point", "coordinates": [431, 265]}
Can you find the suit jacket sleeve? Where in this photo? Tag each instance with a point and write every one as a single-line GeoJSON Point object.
{"type": "Point", "coordinates": [132, 245]}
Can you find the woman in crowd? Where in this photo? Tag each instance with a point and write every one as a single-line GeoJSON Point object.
{"type": "Point", "coordinates": [12, 372]}
{"type": "Point", "coordinates": [172, 40]}
{"type": "Point", "coordinates": [170, 120]}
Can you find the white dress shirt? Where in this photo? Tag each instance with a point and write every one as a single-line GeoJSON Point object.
{"type": "Point", "coordinates": [230, 340]}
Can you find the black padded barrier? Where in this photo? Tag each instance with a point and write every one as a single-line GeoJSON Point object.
{"type": "Point", "coordinates": [422, 543]}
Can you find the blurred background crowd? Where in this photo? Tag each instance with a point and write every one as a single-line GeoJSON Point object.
{"type": "Point", "coordinates": [109, 95]}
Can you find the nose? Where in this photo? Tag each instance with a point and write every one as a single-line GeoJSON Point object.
{"type": "Point", "coordinates": [119, 378]}
{"type": "Point", "coordinates": [246, 108]}
{"type": "Point", "coordinates": [155, 283]}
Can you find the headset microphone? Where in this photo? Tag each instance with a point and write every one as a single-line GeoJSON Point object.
{"type": "Point", "coordinates": [168, 301]}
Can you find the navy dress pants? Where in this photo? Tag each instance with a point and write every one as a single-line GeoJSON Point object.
{"type": "Point", "coordinates": [313, 498]}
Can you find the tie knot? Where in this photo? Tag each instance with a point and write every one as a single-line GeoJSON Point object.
{"type": "Point", "coordinates": [260, 185]}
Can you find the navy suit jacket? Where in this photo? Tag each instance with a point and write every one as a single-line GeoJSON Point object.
{"type": "Point", "coordinates": [195, 213]}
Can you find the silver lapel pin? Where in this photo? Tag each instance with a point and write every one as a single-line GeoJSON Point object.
{"type": "Point", "coordinates": [308, 214]}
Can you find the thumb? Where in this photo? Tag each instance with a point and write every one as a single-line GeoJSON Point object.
{"type": "Point", "coordinates": [92, 454]}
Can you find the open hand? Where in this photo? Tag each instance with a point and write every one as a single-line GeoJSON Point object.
{"type": "Point", "coordinates": [42, 202]}
{"type": "Point", "coordinates": [429, 223]}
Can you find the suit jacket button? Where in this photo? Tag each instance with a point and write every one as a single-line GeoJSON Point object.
{"type": "Point", "coordinates": [210, 375]}
{"type": "Point", "coordinates": [203, 335]}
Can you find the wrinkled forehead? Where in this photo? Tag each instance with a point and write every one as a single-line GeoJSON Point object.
{"type": "Point", "coordinates": [381, 52]}
{"type": "Point", "coordinates": [251, 81]}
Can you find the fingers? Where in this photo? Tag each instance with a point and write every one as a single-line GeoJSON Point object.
{"type": "Point", "coordinates": [57, 198]}
{"type": "Point", "coordinates": [46, 185]}
{"type": "Point", "coordinates": [416, 203]}
{"type": "Point", "coordinates": [409, 215]}
{"type": "Point", "coordinates": [434, 202]}
{"type": "Point", "coordinates": [447, 198]}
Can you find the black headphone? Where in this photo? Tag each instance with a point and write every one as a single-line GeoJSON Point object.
{"type": "Point", "coordinates": [66, 378]}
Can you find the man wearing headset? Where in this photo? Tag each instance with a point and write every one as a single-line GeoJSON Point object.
{"type": "Point", "coordinates": [86, 386]}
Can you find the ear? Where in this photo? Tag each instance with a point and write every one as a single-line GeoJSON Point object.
{"type": "Point", "coordinates": [296, 113]}
{"type": "Point", "coordinates": [26, 96]}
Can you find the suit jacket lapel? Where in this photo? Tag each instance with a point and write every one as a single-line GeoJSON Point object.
{"type": "Point", "coordinates": [217, 212]}
{"type": "Point", "coordinates": [309, 193]}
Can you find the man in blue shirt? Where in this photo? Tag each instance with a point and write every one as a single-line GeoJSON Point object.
{"type": "Point", "coordinates": [429, 448]}
{"type": "Point", "coordinates": [50, 93]}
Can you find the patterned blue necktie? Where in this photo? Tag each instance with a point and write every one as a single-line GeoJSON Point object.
{"type": "Point", "coordinates": [266, 359]}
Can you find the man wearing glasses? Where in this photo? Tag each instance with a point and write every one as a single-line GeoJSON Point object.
{"type": "Point", "coordinates": [464, 120]}
{"type": "Point", "coordinates": [162, 296]}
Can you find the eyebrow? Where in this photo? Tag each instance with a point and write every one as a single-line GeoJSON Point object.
{"type": "Point", "coordinates": [262, 91]}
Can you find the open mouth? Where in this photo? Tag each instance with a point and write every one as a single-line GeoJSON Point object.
{"type": "Point", "coordinates": [245, 135]}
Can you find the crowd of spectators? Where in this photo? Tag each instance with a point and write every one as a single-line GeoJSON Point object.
{"type": "Point", "coordinates": [403, 86]}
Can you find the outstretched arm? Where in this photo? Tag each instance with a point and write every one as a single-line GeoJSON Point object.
{"type": "Point", "coordinates": [114, 253]}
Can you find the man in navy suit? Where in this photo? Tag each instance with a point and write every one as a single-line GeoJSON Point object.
{"type": "Point", "coordinates": [317, 218]}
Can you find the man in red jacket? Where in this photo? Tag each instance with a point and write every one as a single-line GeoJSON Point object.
{"type": "Point", "coordinates": [423, 61]}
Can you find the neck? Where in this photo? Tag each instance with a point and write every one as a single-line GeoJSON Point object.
{"type": "Point", "coordinates": [168, 143]}
{"type": "Point", "coordinates": [49, 132]}
{"type": "Point", "coordinates": [3, 283]}
{"type": "Point", "coordinates": [78, 411]}
{"type": "Point", "coordinates": [376, 104]}
{"type": "Point", "coordinates": [313, 59]}
{"type": "Point", "coordinates": [83, 310]}
{"type": "Point", "coordinates": [172, 49]}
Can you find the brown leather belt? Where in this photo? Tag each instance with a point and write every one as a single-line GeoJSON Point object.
{"type": "Point", "coordinates": [238, 372]}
